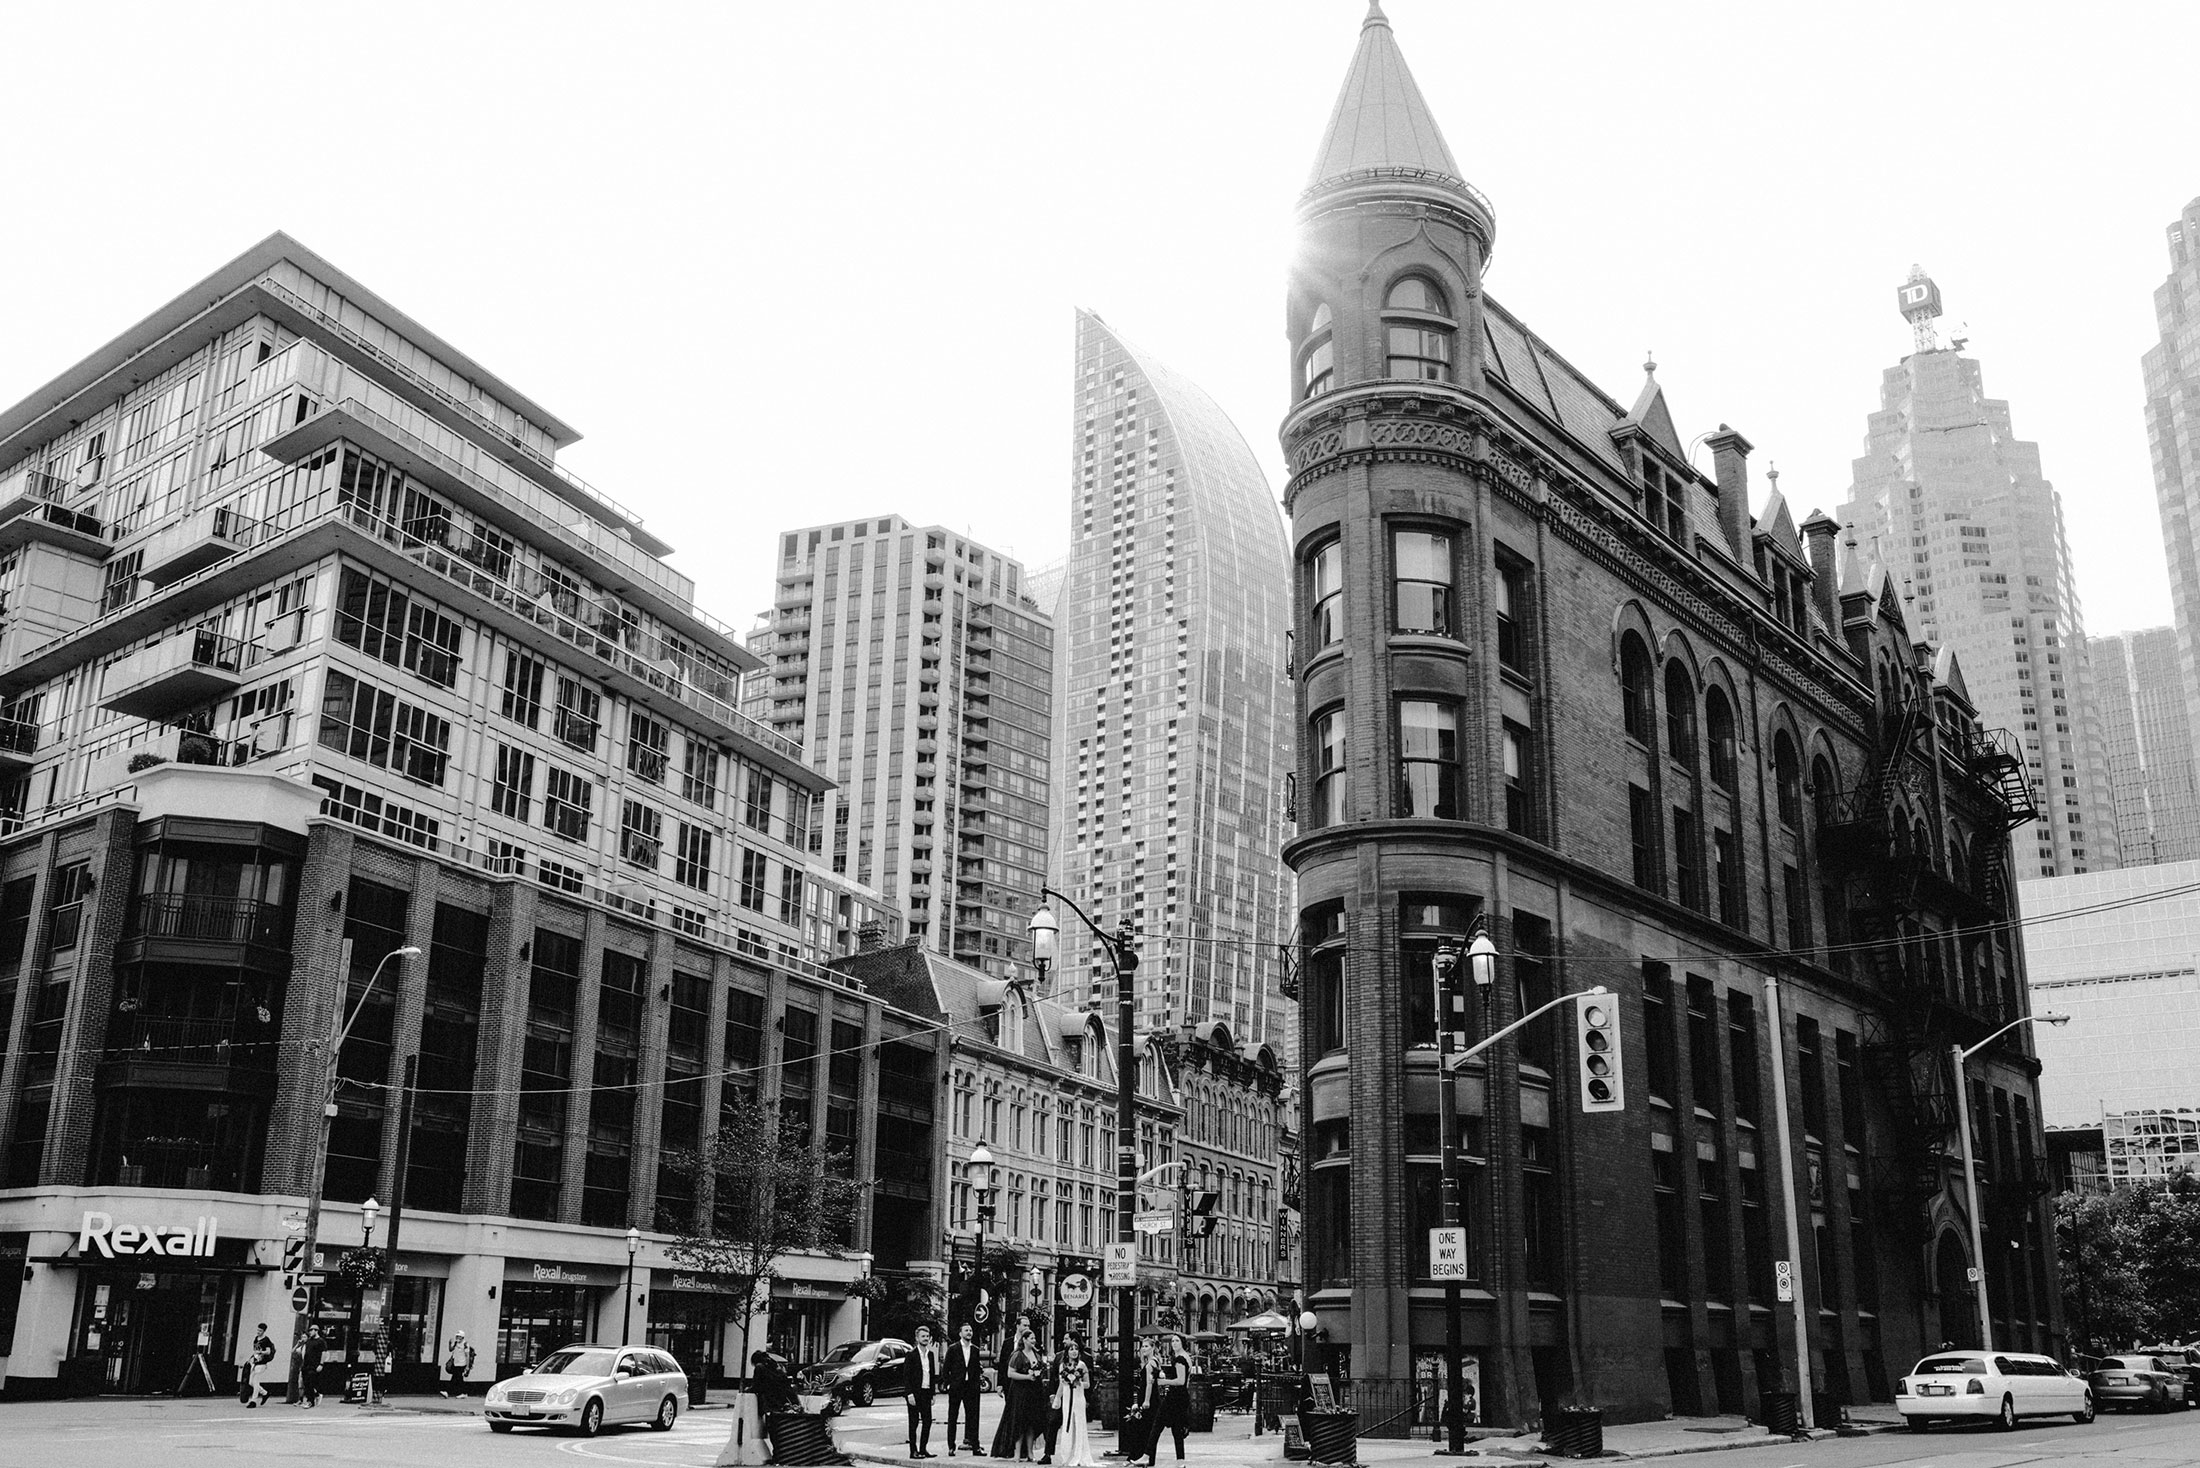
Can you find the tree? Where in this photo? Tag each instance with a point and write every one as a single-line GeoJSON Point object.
{"type": "Point", "coordinates": [901, 1300]}
{"type": "Point", "coordinates": [2130, 1263]}
{"type": "Point", "coordinates": [776, 1193]}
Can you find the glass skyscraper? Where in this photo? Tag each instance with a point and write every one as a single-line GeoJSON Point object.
{"type": "Point", "coordinates": [1172, 730]}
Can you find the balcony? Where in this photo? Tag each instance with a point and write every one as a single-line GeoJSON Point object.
{"type": "Point", "coordinates": [202, 918]}
{"type": "Point", "coordinates": [196, 542]}
{"type": "Point", "coordinates": [18, 744]}
{"type": "Point", "coordinates": [177, 674]}
{"type": "Point", "coordinates": [159, 1052]}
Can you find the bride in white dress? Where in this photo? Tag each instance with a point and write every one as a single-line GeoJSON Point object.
{"type": "Point", "coordinates": [1073, 1449]}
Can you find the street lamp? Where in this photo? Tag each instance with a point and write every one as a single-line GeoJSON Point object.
{"type": "Point", "coordinates": [1970, 1171]}
{"type": "Point", "coordinates": [633, 1247]}
{"type": "Point", "coordinates": [367, 1211]}
{"type": "Point", "coordinates": [1481, 955]}
{"type": "Point", "coordinates": [328, 1111]}
{"type": "Point", "coordinates": [1308, 1320]}
{"type": "Point", "coordinates": [1123, 958]}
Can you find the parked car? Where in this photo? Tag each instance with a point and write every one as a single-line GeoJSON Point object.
{"type": "Point", "coordinates": [586, 1387]}
{"type": "Point", "coordinates": [2140, 1379]}
{"type": "Point", "coordinates": [856, 1373]}
{"type": "Point", "coordinates": [1953, 1386]}
{"type": "Point", "coordinates": [2186, 1359]}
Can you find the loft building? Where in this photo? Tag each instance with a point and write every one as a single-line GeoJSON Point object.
{"type": "Point", "coordinates": [915, 670]}
{"type": "Point", "coordinates": [313, 653]}
{"type": "Point", "coordinates": [1953, 503]}
{"type": "Point", "coordinates": [1173, 734]}
{"type": "Point", "coordinates": [2171, 369]}
{"type": "Point", "coordinates": [2146, 728]}
{"type": "Point", "coordinates": [1552, 680]}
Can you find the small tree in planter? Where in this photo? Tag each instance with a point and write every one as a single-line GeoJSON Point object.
{"type": "Point", "coordinates": [776, 1194]}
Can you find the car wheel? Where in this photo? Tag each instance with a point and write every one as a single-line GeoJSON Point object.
{"type": "Point", "coordinates": [668, 1412]}
{"type": "Point", "coordinates": [591, 1421]}
{"type": "Point", "coordinates": [2006, 1419]}
{"type": "Point", "coordinates": [864, 1395]}
{"type": "Point", "coordinates": [2084, 1414]}
{"type": "Point", "coordinates": [1916, 1424]}
{"type": "Point", "coordinates": [500, 1427]}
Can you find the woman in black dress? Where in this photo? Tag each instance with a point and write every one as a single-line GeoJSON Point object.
{"type": "Point", "coordinates": [1171, 1394]}
{"type": "Point", "coordinates": [1021, 1400]}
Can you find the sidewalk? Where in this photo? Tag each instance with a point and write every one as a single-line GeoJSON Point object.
{"type": "Point", "coordinates": [1232, 1445]}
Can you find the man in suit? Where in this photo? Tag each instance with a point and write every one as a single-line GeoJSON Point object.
{"type": "Point", "coordinates": [924, 1377]}
{"type": "Point", "coordinates": [963, 1375]}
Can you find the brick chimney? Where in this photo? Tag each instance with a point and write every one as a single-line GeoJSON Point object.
{"type": "Point", "coordinates": [870, 937]}
{"type": "Point", "coordinates": [1730, 463]}
{"type": "Point", "coordinates": [1822, 534]}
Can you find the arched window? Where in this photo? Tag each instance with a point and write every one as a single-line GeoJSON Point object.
{"type": "Point", "coordinates": [1825, 792]}
{"type": "Point", "coordinates": [1634, 690]}
{"type": "Point", "coordinates": [1419, 347]}
{"type": "Point", "coordinates": [1680, 713]}
{"type": "Point", "coordinates": [1718, 720]}
{"type": "Point", "coordinates": [1325, 576]}
{"type": "Point", "coordinates": [1318, 368]}
{"type": "Point", "coordinates": [1787, 774]}
{"type": "Point", "coordinates": [1332, 786]}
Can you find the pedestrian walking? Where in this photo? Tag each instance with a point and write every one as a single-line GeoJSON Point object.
{"type": "Point", "coordinates": [263, 1357]}
{"type": "Point", "coordinates": [309, 1365]}
{"type": "Point", "coordinates": [458, 1362]}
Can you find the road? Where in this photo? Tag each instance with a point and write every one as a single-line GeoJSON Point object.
{"type": "Point", "coordinates": [200, 1433]}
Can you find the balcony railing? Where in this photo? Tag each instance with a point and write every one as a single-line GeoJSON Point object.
{"type": "Point", "coordinates": [207, 919]}
{"type": "Point", "coordinates": [192, 1041]}
{"type": "Point", "coordinates": [176, 1162]}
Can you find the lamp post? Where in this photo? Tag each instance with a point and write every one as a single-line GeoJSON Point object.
{"type": "Point", "coordinates": [1450, 1011]}
{"type": "Point", "coordinates": [633, 1247]}
{"type": "Point", "coordinates": [979, 1169]}
{"type": "Point", "coordinates": [359, 1322]}
{"type": "Point", "coordinates": [1308, 1320]}
{"type": "Point", "coordinates": [1124, 960]}
{"type": "Point", "coordinates": [328, 1109]}
{"type": "Point", "coordinates": [1970, 1170]}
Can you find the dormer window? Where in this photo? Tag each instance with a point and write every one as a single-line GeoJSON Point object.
{"type": "Point", "coordinates": [1418, 331]}
{"type": "Point", "coordinates": [1664, 502]}
{"type": "Point", "coordinates": [1318, 368]}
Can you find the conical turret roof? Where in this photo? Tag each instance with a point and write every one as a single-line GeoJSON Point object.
{"type": "Point", "coordinates": [1380, 120]}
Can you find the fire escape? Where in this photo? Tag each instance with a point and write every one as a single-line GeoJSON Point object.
{"type": "Point", "coordinates": [1890, 880]}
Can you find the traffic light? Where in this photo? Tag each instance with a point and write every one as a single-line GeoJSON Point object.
{"type": "Point", "coordinates": [1603, 1087]}
{"type": "Point", "coordinates": [1200, 1222]}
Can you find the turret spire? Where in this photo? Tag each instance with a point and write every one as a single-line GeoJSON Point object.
{"type": "Point", "coordinates": [1380, 120]}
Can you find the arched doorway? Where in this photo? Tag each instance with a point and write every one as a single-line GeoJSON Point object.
{"type": "Point", "coordinates": [1958, 1296]}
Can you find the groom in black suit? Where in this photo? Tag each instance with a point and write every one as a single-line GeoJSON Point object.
{"type": "Point", "coordinates": [963, 1376]}
{"type": "Point", "coordinates": [924, 1376]}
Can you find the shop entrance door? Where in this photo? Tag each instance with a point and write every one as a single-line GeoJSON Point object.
{"type": "Point", "coordinates": [151, 1332]}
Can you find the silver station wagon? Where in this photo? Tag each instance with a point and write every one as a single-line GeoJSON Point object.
{"type": "Point", "coordinates": [585, 1388]}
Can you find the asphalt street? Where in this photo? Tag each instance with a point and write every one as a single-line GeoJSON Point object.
{"type": "Point", "coordinates": [209, 1434]}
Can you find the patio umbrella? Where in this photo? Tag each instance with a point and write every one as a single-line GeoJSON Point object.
{"type": "Point", "coordinates": [1267, 1320]}
{"type": "Point", "coordinates": [1206, 1336]}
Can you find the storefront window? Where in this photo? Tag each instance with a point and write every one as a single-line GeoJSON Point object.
{"type": "Point", "coordinates": [147, 1331]}
{"type": "Point", "coordinates": [415, 1320]}
{"type": "Point", "coordinates": [691, 1324]}
{"type": "Point", "coordinates": [536, 1320]}
{"type": "Point", "coordinates": [800, 1328]}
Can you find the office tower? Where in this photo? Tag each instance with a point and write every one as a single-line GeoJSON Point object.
{"type": "Point", "coordinates": [1557, 688]}
{"type": "Point", "coordinates": [330, 694]}
{"type": "Point", "coordinates": [2147, 729]}
{"type": "Point", "coordinates": [1174, 742]}
{"type": "Point", "coordinates": [2171, 369]}
{"type": "Point", "coordinates": [1953, 502]}
{"type": "Point", "coordinates": [916, 670]}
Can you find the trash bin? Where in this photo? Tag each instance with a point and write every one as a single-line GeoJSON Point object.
{"type": "Point", "coordinates": [1824, 1410]}
{"type": "Point", "coordinates": [1203, 1404]}
{"type": "Point", "coordinates": [802, 1439]}
{"type": "Point", "coordinates": [1574, 1432]}
{"type": "Point", "coordinates": [1783, 1413]}
{"type": "Point", "coordinates": [1331, 1437]}
{"type": "Point", "coordinates": [1102, 1402]}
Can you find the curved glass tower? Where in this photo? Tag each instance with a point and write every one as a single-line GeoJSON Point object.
{"type": "Point", "coordinates": [1172, 731]}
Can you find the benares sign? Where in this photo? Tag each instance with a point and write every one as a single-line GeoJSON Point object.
{"type": "Point", "coordinates": [112, 1239]}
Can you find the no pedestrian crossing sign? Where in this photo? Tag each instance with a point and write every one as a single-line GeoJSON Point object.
{"type": "Point", "coordinates": [1783, 1280]}
{"type": "Point", "coordinates": [1120, 1268]}
{"type": "Point", "coordinates": [1447, 1253]}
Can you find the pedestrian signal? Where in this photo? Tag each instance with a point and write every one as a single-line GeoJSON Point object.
{"type": "Point", "coordinates": [1602, 1084]}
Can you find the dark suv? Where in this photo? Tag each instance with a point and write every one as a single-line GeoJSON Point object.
{"type": "Point", "coordinates": [856, 1373]}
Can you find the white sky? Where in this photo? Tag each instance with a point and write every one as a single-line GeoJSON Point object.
{"type": "Point", "coordinates": [792, 262]}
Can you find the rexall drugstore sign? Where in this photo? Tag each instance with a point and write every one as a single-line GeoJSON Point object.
{"type": "Point", "coordinates": [116, 1240]}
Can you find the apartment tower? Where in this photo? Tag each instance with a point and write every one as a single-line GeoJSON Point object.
{"type": "Point", "coordinates": [2172, 372]}
{"type": "Point", "coordinates": [916, 670]}
{"type": "Point", "coordinates": [1953, 502]}
{"type": "Point", "coordinates": [1174, 726]}
{"type": "Point", "coordinates": [2146, 725]}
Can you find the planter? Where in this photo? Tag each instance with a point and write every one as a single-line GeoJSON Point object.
{"type": "Point", "coordinates": [801, 1438]}
{"type": "Point", "coordinates": [1104, 1405]}
{"type": "Point", "coordinates": [1331, 1437]}
{"type": "Point", "coordinates": [1783, 1413]}
{"type": "Point", "coordinates": [1574, 1432]}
